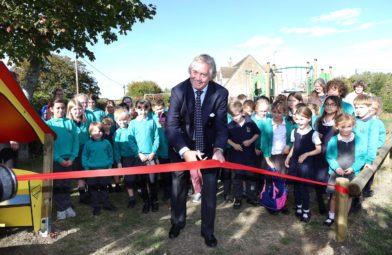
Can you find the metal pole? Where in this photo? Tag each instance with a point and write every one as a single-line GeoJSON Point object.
{"type": "Point", "coordinates": [76, 74]}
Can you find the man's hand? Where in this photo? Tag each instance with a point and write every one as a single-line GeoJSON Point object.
{"type": "Point", "coordinates": [218, 155]}
{"type": "Point", "coordinates": [192, 155]}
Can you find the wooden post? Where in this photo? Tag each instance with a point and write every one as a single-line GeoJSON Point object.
{"type": "Point", "coordinates": [47, 189]}
{"type": "Point", "coordinates": [341, 210]}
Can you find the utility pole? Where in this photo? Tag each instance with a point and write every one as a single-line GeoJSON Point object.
{"type": "Point", "coordinates": [76, 74]}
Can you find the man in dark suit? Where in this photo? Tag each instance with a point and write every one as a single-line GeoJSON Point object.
{"type": "Point", "coordinates": [194, 135]}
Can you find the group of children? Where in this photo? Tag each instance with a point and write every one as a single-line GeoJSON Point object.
{"type": "Point", "coordinates": [285, 136]}
{"type": "Point", "coordinates": [89, 138]}
{"type": "Point", "coordinates": [322, 140]}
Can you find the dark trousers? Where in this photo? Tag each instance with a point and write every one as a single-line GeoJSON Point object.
{"type": "Point", "coordinates": [149, 187]}
{"type": "Point", "coordinates": [225, 176]}
{"type": "Point", "coordinates": [99, 195]}
{"type": "Point", "coordinates": [166, 179]}
{"type": "Point", "coordinates": [61, 189]}
{"type": "Point", "coordinates": [250, 180]}
{"type": "Point", "coordinates": [301, 189]}
{"type": "Point", "coordinates": [208, 199]}
{"type": "Point", "coordinates": [98, 188]}
{"type": "Point", "coordinates": [130, 180]}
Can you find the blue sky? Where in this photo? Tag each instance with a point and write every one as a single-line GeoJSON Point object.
{"type": "Point", "coordinates": [346, 34]}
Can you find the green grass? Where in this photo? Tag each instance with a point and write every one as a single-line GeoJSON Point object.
{"type": "Point", "coordinates": [377, 239]}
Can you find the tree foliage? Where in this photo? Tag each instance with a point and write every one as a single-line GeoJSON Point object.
{"type": "Point", "coordinates": [58, 72]}
{"type": "Point", "coordinates": [379, 84]}
{"type": "Point", "coordinates": [139, 88]}
{"type": "Point", "coordinates": [33, 29]}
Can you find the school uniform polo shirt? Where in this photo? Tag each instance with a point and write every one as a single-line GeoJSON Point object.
{"type": "Point", "coordinates": [278, 137]}
{"type": "Point", "coordinates": [239, 133]}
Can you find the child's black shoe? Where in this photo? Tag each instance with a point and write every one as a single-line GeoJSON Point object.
{"type": "Point", "coordinates": [84, 197]}
{"type": "Point", "coordinates": [117, 189]}
{"type": "Point", "coordinates": [237, 203]}
{"type": "Point", "coordinates": [155, 206]}
{"type": "Point", "coordinates": [110, 188]}
{"type": "Point", "coordinates": [298, 211]}
{"type": "Point", "coordinates": [328, 222]}
{"type": "Point", "coordinates": [96, 211]}
{"type": "Point", "coordinates": [146, 207]}
{"type": "Point", "coordinates": [131, 203]}
{"type": "Point", "coordinates": [306, 216]}
{"type": "Point", "coordinates": [110, 207]}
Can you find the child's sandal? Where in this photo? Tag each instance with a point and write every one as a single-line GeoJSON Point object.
{"type": "Point", "coordinates": [305, 217]}
{"type": "Point", "coordinates": [328, 222]}
{"type": "Point", "coordinates": [298, 212]}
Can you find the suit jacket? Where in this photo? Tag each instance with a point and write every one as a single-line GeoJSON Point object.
{"type": "Point", "coordinates": [180, 118]}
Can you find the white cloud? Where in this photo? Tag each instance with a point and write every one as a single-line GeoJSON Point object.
{"type": "Point", "coordinates": [311, 31]}
{"type": "Point", "coordinates": [261, 41]}
{"type": "Point", "coordinates": [384, 44]}
{"type": "Point", "coordinates": [344, 17]}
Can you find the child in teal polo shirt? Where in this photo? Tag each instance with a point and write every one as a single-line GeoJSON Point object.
{"type": "Point", "coordinates": [75, 113]}
{"type": "Point", "coordinates": [368, 122]}
{"type": "Point", "coordinates": [91, 106]}
{"type": "Point", "coordinates": [98, 154]}
{"type": "Point", "coordinates": [125, 151]}
{"type": "Point", "coordinates": [66, 147]}
{"type": "Point", "coordinates": [145, 132]}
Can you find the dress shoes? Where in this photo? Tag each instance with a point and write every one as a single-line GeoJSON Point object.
{"type": "Point", "coordinates": [209, 240]}
{"type": "Point", "coordinates": [174, 231]}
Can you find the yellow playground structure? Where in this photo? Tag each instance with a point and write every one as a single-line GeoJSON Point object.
{"type": "Point", "coordinates": [32, 205]}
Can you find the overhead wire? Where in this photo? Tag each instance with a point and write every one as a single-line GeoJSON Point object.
{"type": "Point", "coordinates": [99, 71]}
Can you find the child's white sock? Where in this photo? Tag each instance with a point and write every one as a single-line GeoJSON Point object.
{"type": "Point", "coordinates": [299, 208]}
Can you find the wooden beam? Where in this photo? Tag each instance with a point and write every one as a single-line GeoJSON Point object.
{"type": "Point", "coordinates": [359, 182]}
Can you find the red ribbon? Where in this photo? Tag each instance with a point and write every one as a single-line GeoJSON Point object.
{"type": "Point", "coordinates": [341, 189]}
{"type": "Point", "coordinates": [164, 168]}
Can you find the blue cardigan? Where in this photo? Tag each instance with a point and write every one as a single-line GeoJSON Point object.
{"type": "Point", "coordinates": [332, 155]}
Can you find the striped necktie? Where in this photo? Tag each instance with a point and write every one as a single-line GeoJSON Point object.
{"type": "Point", "coordinates": [198, 122]}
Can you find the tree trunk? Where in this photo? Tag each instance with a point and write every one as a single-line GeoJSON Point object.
{"type": "Point", "coordinates": [32, 77]}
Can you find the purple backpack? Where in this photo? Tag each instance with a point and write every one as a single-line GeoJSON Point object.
{"type": "Point", "coordinates": [274, 194]}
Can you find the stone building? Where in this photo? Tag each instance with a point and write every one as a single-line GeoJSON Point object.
{"type": "Point", "coordinates": [241, 77]}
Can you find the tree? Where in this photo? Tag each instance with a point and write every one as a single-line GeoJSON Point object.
{"type": "Point", "coordinates": [32, 29]}
{"type": "Point", "coordinates": [58, 72]}
{"type": "Point", "coordinates": [139, 88]}
{"type": "Point", "coordinates": [379, 84]}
